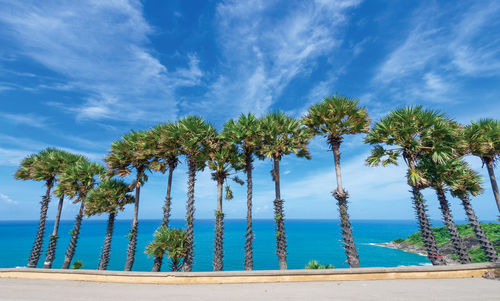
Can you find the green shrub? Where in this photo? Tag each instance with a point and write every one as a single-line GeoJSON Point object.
{"type": "Point", "coordinates": [314, 265]}
{"type": "Point", "coordinates": [77, 265]}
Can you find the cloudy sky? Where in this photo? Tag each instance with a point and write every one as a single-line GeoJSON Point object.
{"type": "Point", "coordinates": [79, 74]}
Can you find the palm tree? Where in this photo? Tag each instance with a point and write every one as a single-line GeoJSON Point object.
{"type": "Point", "coordinates": [437, 175]}
{"type": "Point", "coordinates": [334, 118]}
{"type": "Point", "coordinates": [245, 132]}
{"type": "Point", "coordinates": [166, 155]}
{"type": "Point", "coordinates": [467, 182]}
{"type": "Point", "coordinates": [223, 156]}
{"type": "Point", "coordinates": [171, 241]}
{"type": "Point", "coordinates": [194, 136]}
{"type": "Point", "coordinates": [483, 138]}
{"type": "Point", "coordinates": [77, 181]}
{"type": "Point", "coordinates": [43, 166]}
{"type": "Point", "coordinates": [66, 160]}
{"type": "Point", "coordinates": [111, 196]}
{"type": "Point", "coordinates": [415, 132]}
{"type": "Point", "coordinates": [282, 135]}
{"type": "Point", "coordinates": [133, 152]}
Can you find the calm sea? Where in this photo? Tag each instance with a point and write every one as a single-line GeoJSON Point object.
{"type": "Point", "coordinates": [307, 240]}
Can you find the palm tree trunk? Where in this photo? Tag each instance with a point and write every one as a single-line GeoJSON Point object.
{"type": "Point", "coordinates": [132, 244]}
{"type": "Point", "coordinates": [493, 180]}
{"type": "Point", "coordinates": [176, 264]}
{"type": "Point", "coordinates": [37, 245]}
{"type": "Point", "coordinates": [157, 264]}
{"type": "Point", "coordinates": [425, 227]}
{"type": "Point", "coordinates": [188, 261]}
{"type": "Point", "coordinates": [279, 217]}
{"type": "Point", "coordinates": [456, 240]}
{"type": "Point", "coordinates": [51, 252]}
{"type": "Point", "coordinates": [70, 252]}
{"type": "Point", "coordinates": [106, 248]}
{"type": "Point", "coordinates": [484, 242]}
{"type": "Point", "coordinates": [249, 236]}
{"type": "Point", "coordinates": [168, 199]}
{"type": "Point", "coordinates": [341, 196]}
{"type": "Point", "coordinates": [218, 263]}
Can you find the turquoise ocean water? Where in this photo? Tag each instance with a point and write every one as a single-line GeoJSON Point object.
{"type": "Point", "coordinates": [307, 239]}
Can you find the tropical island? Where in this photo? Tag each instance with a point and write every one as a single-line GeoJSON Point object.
{"type": "Point", "coordinates": [414, 243]}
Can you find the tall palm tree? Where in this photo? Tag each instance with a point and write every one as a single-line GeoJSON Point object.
{"type": "Point", "coordinates": [282, 135]}
{"type": "Point", "coordinates": [483, 138]}
{"type": "Point", "coordinates": [111, 196]}
{"type": "Point", "coordinates": [334, 118]}
{"type": "Point", "coordinates": [437, 175]}
{"type": "Point", "coordinates": [76, 182]}
{"type": "Point", "coordinates": [166, 154]}
{"type": "Point", "coordinates": [66, 160]}
{"type": "Point", "coordinates": [246, 133]}
{"type": "Point", "coordinates": [132, 152]}
{"type": "Point", "coordinates": [223, 158]}
{"type": "Point", "coordinates": [466, 182]}
{"type": "Point", "coordinates": [43, 166]}
{"type": "Point", "coordinates": [414, 132]}
{"type": "Point", "coordinates": [194, 136]}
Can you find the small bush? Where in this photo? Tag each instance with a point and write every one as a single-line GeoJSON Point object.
{"type": "Point", "coordinates": [314, 265]}
{"type": "Point", "coordinates": [399, 240]}
{"type": "Point", "coordinates": [77, 265]}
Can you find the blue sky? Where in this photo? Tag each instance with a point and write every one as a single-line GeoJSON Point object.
{"type": "Point", "coordinates": [79, 74]}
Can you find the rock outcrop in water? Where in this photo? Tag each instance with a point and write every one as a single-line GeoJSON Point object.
{"type": "Point", "coordinates": [413, 243]}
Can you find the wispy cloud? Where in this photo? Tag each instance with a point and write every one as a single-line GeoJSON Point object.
{"type": "Point", "coordinates": [103, 52]}
{"type": "Point", "coordinates": [15, 149]}
{"type": "Point", "coordinates": [26, 119]}
{"type": "Point", "coordinates": [6, 199]}
{"type": "Point", "coordinates": [444, 45]}
{"type": "Point", "coordinates": [262, 54]}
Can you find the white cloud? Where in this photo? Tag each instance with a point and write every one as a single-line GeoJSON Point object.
{"type": "Point", "coordinates": [6, 199]}
{"type": "Point", "coordinates": [102, 49]}
{"type": "Point", "coordinates": [263, 54]}
{"type": "Point", "coordinates": [12, 157]}
{"type": "Point", "coordinates": [26, 119]}
{"type": "Point", "coordinates": [437, 53]}
{"type": "Point", "coordinates": [16, 149]}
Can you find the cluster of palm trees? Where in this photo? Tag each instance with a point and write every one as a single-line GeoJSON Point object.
{"type": "Point", "coordinates": [431, 145]}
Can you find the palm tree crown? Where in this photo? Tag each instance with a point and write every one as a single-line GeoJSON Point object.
{"type": "Point", "coordinates": [416, 132]}
{"type": "Point", "coordinates": [283, 135]}
{"type": "Point", "coordinates": [111, 196]}
{"type": "Point", "coordinates": [166, 150]}
{"type": "Point", "coordinates": [79, 179]}
{"type": "Point", "coordinates": [133, 151]}
{"type": "Point", "coordinates": [336, 117]}
{"type": "Point", "coordinates": [483, 138]}
{"type": "Point", "coordinates": [194, 136]}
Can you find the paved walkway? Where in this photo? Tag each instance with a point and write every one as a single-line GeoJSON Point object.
{"type": "Point", "coordinates": [421, 289]}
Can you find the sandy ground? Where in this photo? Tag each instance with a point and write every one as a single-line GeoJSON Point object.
{"type": "Point", "coordinates": [425, 289]}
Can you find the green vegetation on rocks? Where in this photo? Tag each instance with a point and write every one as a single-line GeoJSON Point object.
{"type": "Point", "coordinates": [492, 231]}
